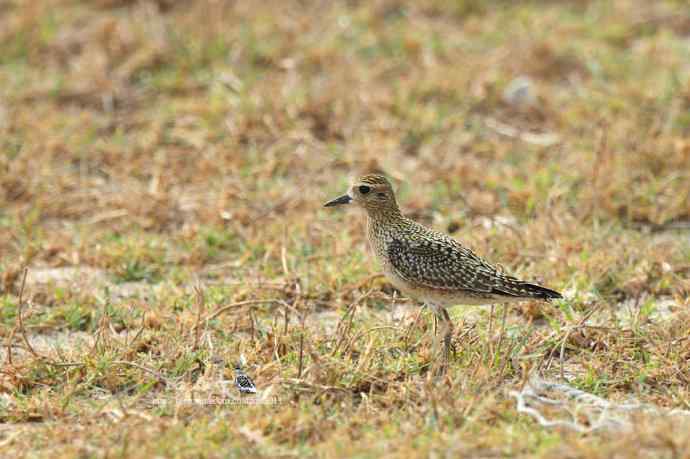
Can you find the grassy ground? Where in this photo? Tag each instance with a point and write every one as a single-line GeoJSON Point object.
{"type": "Point", "coordinates": [154, 153]}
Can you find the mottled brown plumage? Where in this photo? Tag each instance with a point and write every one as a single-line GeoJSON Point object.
{"type": "Point", "coordinates": [427, 265]}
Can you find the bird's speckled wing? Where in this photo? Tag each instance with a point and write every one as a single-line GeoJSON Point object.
{"type": "Point", "coordinates": [426, 258]}
{"type": "Point", "coordinates": [442, 264]}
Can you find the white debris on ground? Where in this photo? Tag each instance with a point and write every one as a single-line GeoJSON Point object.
{"type": "Point", "coordinates": [554, 404]}
{"type": "Point", "coordinates": [85, 278]}
{"type": "Point", "coordinates": [66, 276]}
{"type": "Point", "coordinates": [520, 93]}
{"type": "Point", "coordinates": [402, 312]}
{"type": "Point", "coordinates": [57, 342]}
{"type": "Point", "coordinates": [545, 139]}
{"type": "Point", "coordinates": [650, 309]}
{"type": "Point", "coordinates": [628, 312]}
{"type": "Point", "coordinates": [324, 321]}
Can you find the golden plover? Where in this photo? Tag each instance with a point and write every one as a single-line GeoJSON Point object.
{"type": "Point", "coordinates": [427, 265]}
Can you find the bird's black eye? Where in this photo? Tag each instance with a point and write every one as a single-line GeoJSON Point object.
{"type": "Point", "coordinates": [364, 189]}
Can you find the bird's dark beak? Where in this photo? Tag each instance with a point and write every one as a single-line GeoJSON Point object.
{"type": "Point", "coordinates": [344, 199]}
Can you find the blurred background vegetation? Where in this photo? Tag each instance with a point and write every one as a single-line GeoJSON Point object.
{"type": "Point", "coordinates": [149, 146]}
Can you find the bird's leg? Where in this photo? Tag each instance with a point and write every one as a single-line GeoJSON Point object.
{"type": "Point", "coordinates": [446, 326]}
{"type": "Point", "coordinates": [433, 309]}
{"type": "Point", "coordinates": [448, 337]}
{"type": "Point", "coordinates": [434, 339]}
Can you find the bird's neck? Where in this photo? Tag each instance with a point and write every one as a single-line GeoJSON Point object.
{"type": "Point", "coordinates": [384, 216]}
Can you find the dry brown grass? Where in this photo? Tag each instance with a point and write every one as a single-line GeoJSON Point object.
{"type": "Point", "coordinates": [152, 147]}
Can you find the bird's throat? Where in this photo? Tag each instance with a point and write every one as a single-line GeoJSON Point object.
{"type": "Point", "coordinates": [383, 215]}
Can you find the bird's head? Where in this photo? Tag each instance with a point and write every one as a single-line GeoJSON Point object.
{"type": "Point", "coordinates": [371, 192]}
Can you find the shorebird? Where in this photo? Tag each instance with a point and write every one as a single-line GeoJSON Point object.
{"type": "Point", "coordinates": [427, 265]}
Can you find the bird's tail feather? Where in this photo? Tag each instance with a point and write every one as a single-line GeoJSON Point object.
{"type": "Point", "coordinates": [526, 290]}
